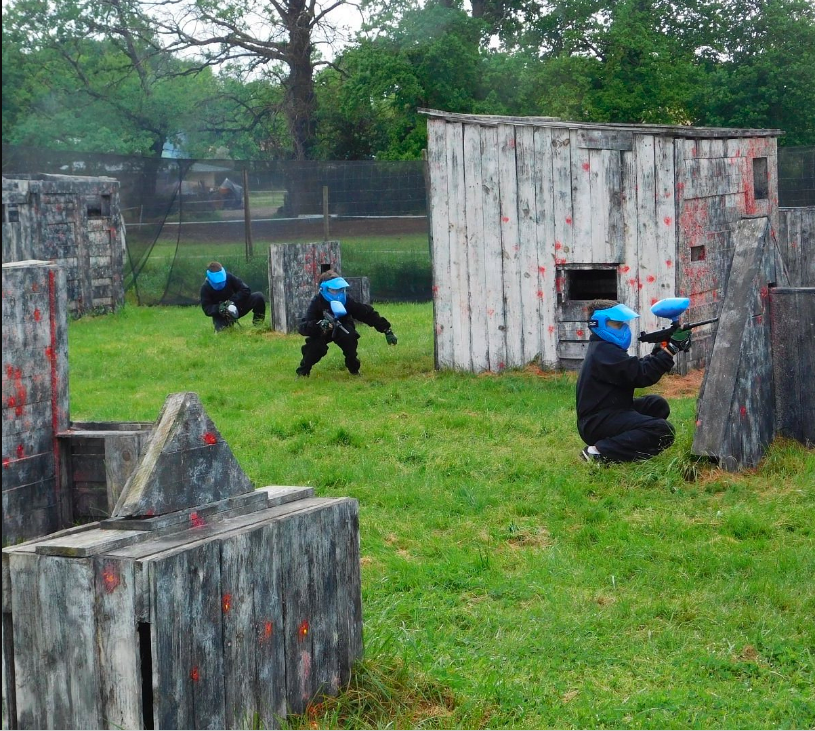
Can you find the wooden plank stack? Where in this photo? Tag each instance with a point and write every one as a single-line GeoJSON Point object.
{"type": "Point", "coordinates": [224, 613]}
{"type": "Point", "coordinates": [35, 397]}
{"type": "Point", "coordinates": [73, 220]}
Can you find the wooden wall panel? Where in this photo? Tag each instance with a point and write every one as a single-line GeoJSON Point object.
{"type": "Point", "coordinates": [508, 182]}
{"type": "Point", "coordinates": [796, 243]}
{"type": "Point", "coordinates": [493, 252]}
{"type": "Point", "coordinates": [544, 203]}
{"type": "Point", "coordinates": [476, 284]}
{"type": "Point", "coordinates": [440, 237]}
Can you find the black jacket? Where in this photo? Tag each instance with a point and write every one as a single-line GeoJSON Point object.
{"type": "Point", "coordinates": [235, 289]}
{"type": "Point", "coordinates": [608, 378]}
{"type": "Point", "coordinates": [362, 312]}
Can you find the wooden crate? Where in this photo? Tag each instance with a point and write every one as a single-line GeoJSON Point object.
{"type": "Point", "coordinates": [97, 459]}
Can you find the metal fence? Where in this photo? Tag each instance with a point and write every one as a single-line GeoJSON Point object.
{"type": "Point", "coordinates": [180, 214]}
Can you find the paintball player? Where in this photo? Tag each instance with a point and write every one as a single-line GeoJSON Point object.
{"type": "Point", "coordinates": [325, 322]}
{"type": "Point", "coordinates": [226, 298]}
{"type": "Point", "coordinates": [617, 426]}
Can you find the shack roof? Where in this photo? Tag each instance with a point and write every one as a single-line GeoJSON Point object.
{"type": "Point", "coordinates": [664, 130]}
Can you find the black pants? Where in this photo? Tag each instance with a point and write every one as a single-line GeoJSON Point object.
{"type": "Point", "coordinates": [255, 304]}
{"type": "Point", "coordinates": [316, 346]}
{"type": "Point", "coordinates": [628, 436]}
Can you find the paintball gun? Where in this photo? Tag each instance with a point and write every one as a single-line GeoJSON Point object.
{"type": "Point", "coordinates": [228, 310]}
{"type": "Point", "coordinates": [672, 308]}
{"type": "Point", "coordinates": [332, 318]}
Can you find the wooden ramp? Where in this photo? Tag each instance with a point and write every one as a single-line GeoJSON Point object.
{"type": "Point", "coordinates": [736, 411]}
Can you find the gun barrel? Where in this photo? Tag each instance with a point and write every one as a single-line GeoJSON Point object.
{"type": "Point", "coordinates": [692, 325]}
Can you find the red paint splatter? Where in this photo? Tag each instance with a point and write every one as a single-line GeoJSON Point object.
{"type": "Point", "coordinates": [35, 287]}
{"type": "Point", "coordinates": [49, 352]}
{"type": "Point", "coordinates": [759, 319]}
{"type": "Point", "coordinates": [668, 220]}
{"type": "Point", "coordinates": [490, 312]}
{"type": "Point", "coordinates": [197, 521]}
{"type": "Point", "coordinates": [266, 631]}
{"type": "Point", "coordinates": [558, 246]}
{"type": "Point", "coordinates": [501, 365]}
{"type": "Point", "coordinates": [654, 300]}
{"type": "Point", "coordinates": [650, 279]}
{"type": "Point", "coordinates": [632, 282]}
{"type": "Point", "coordinates": [625, 268]}
{"type": "Point", "coordinates": [669, 263]}
{"type": "Point", "coordinates": [542, 270]}
{"type": "Point", "coordinates": [586, 166]}
{"type": "Point", "coordinates": [764, 293]}
{"type": "Point", "coordinates": [569, 220]}
{"type": "Point", "coordinates": [698, 422]}
{"type": "Point", "coordinates": [435, 288]}
{"type": "Point", "coordinates": [743, 411]}
{"type": "Point", "coordinates": [110, 578]}
{"type": "Point", "coordinates": [210, 438]}
{"type": "Point", "coordinates": [226, 602]}
{"type": "Point", "coordinates": [195, 676]}
{"type": "Point", "coordinates": [505, 219]}
{"type": "Point", "coordinates": [302, 630]}
{"type": "Point", "coordinates": [6, 462]}
{"type": "Point", "coordinates": [37, 314]}
{"type": "Point", "coordinates": [540, 294]}
{"type": "Point", "coordinates": [551, 328]}
{"type": "Point", "coordinates": [20, 451]}
{"type": "Point", "coordinates": [559, 261]}
{"type": "Point", "coordinates": [580, 333]}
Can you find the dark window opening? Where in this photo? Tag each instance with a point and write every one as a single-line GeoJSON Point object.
{"type": "Point", "coordinates": [100, 208]}
{"type": "Point", "coordinates": [146, 657]}
{"type": "Point", "coordinates": [697, 253]}
{"type": "Point", "coordinates": [324, 267]}
{"type": "Point", "coordinates": [761, 183]}
{"type": "Point", "coordinates": [591, 284]}
{"type": "Point", "coordinates": [11, 213]}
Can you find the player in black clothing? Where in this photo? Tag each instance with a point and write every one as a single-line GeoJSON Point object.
{"type": "Point", "coordinates": [226, 298]}
{"type": "Point", "coordinates": [320, 325]}
{"type": "Point", "coordinates": [617, 426]}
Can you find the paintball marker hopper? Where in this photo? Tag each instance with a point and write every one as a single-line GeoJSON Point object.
{"type": "Point", "coordinates": [671, 308]}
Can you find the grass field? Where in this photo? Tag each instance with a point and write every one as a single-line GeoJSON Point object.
{"type": "Point", "coordinates": [506, 584]}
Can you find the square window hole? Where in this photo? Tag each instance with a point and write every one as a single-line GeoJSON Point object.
{"type": "Point", "coordinates": [761, 183]}
{"type": "Point", "coordinates": [591, 284]}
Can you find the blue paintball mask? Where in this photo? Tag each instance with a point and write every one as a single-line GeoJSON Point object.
{"type": "Point", "coordinates": [617, 336]}
{"type": "Point", "coordinates": [334, 290]}
{"type": "Point", "coordinates": [217, 280]}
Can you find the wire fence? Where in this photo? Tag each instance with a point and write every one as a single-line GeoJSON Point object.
{"type": "Point", "coordinates": [181, 213]}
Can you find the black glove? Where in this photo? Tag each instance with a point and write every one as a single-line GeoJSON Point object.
{"type": "Point", "coordinates": [324, 325]}
{"type": "Point", "coordinates": [390, 337]}
{"type": "Point", "coordinates": [680, 341]}
{"type": "Point", "coordinates": [223, 309]}
{"type": "Point", "coordinates": [657, 347]}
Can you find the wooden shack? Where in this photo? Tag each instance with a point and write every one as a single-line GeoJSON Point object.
{"type": "Point", "coordinates": [72, 220]}
{"type": "Point", "coordinates": [532, 218]}
{"type": "Point", "coordinates": [202, 603]}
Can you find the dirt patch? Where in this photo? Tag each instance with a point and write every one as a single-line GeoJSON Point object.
{"type": "Point", "coordinates": [674, 386]}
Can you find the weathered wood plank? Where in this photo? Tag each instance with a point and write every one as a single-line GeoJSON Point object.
{"type": "Point", "coordinates": [325, 626]}
{"type": "Point", "coordinates": [493, 253]}
{"type": "Point", "coordinates": [119, 660]}
{"type": "Point", "coordinates": [545, 220]}
{"type": "Point", "coordinates": [459, 278]}
{"type": "Point", "coordinates": [580, 250]}
{"type": "Point", "coordinates": [648, 254]}
{"type": "Point", "coordinates": [476, 252]}
{"type": "Point", "coordinates": [605, 139]}
{"type": "Point", "coordinates": [440, 235]}
{"type": "Point", "coordinates": [508, 182]}
{"type": "Point", "coordinates": [793, 334]}
{"type": "Point", "coordinates": [665, 281]}
{"type": "Point", "coordinates": [530, 294]}
{"type": "Point", "coordinates": [89, 543]}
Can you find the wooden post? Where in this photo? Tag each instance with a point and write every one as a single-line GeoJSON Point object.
{"type": "Point", "coordinates": [247, 216]}
{"type": "Point", "coordinates": [325, 213]}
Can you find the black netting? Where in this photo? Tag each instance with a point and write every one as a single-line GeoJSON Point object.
{"type": "Point", "coordinates": [182, 214]}
{"type": "Point", "coordinates": [796, 176]}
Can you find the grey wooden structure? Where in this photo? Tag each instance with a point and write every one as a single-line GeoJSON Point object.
{"type": "Point", "coordinates": [202, 603]}
{"type": "Point", "coordinates": [97, 459]}
{"type": "Point", "coordinates": [294, 273]}
{"type": "Point", "coordinates": [35, 398]}
{"type": "Point", "coordinates": [73, 220]}
{"type": "Point", "coordinates": [796, 240]}
{"type": "Point", "coordinates": [532, 218]}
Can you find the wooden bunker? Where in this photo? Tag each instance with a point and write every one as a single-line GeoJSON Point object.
{"type": "Point", "coordinates": [72, 220]}
{"type": "Point", "coordinates": [35, 398]}
{"type": "Point", "coordinates": [533, 217]}
{"type": "Point", "coordinates": [202, 603]}
{"type": "Point", "coordinates": [294, 272]}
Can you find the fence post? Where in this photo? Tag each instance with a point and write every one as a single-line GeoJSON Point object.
{"type": "Point", "coordinates": [247, 215]}
{"type": "Point", "coordinates": [325, 213]}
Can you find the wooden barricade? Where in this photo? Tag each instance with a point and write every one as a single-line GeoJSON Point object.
{"type": "Point", "coordinates": [228, 612]}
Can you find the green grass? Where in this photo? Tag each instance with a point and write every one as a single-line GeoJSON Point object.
{"type": "Point", "coordinates": [506, 584]}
